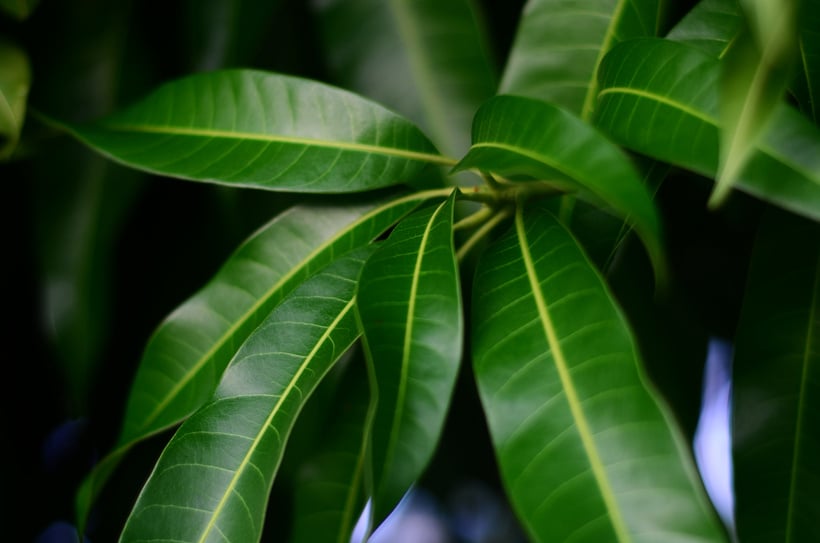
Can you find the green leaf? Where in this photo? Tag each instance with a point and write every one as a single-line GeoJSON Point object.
{"type": "Point", "coordinates": [20, 9]}
{"type": "Point", "coordinates": [514, 136]}
{"type": "Point", "coordinates": [213, 479]}
{"type": "Point", "coordinates": [807, 85]}
{"type": "Point", "coordinates": [409, 303]}
{"type": "Point", "coordinates": [587, 452]}
{"type": "Point", "coordinates": [188, 352]}
{"type": "Point", "coordinates": [709, 26]}
{"type": "Point", "coordinates": [660, 98]}
{"type": "Point", "coordinates": [559, 45]}
{"type": "Point", "coordinates": [776, 386]}
{"type": "Point", "coordinates": [426, 59]}
{"type": "Point", "coordinates": [262, 130]}
{"type": "Point", "coordinates": [753, 78]}
{"type": "Point", "coordinates": [330, 485]}
{"type": "Point", "coordinates": [15, 80]}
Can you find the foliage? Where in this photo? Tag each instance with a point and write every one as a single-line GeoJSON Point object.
{"type": "Point", "coordinates": [420, 232]}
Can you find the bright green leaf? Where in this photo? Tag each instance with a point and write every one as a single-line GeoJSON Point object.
{"type": "Point", "coordinates": [15, 80]}
{"type": "Point", "coordinates": [427, 59]}
{"type": "Point", "coordinates": [710, 25]}
{"type": "Point", "coordinates": [213, 478]}
{"type": "Point", "coordinates": [776, 386]}
{"type": "Point", "coordinates": [256, 129]}
{"type": "Point", "coordinates": [20, 9]}
{"type": "Point", "coordinates": [559, 45]}
{"type": "Point", "coordinates": [409, 303]}
{"type": "Point", "coordinates": [660, 98]}
{"type": "Point", "coordinates": [329, 489]}
{"type": "Point", "coordinates": [514, 136]}
{"type": "Point", "coordinates": [587, 452]}
{"type": "Point", "coordinates": [186, 355]}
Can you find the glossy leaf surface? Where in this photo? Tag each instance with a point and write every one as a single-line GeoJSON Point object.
{"type": "Point", "coordinates": [776, 386]}
{"type": "Point", "coordinates": [426, 59]}
{"type": "Point", "coordinates": [263, 130]}
{"type": "Point", "coordinates": [660, 98]}
{"type": "Point", "coordinates": [559, 45]}
{"type": "Point", "coordinates": [213, 478]}
{"type": "Point", "coordinates": [409, 303]}
{"type": "Point", "coordinates": [15, 80]}
{"type": "Point", "coordinates": [187, 354]}
{"type": "Point", "coordinates": [710, 26]}
{"type": "Point", "coordinates": [515, 136]}
{"type": "Point", "coordinates": [587, 453]}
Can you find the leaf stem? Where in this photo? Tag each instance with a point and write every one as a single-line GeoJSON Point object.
{"type": "Point", "coordinates": [498, 217]}
{"type": "Point", "coordinates": [475, 219]}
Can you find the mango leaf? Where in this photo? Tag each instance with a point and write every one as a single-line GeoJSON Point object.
{"type": "Point", "coordinates": [587, 451]}
{"type": "Point", "coordinates": [256, 129]}
{"type": "Point", "coordinates": [754, 75]}
{"type": "Point", "coordinates": [187, 354]}
{"type": "Point", "coordinates": [409, 303]}
{"type": "Point", "coordinates": [427, 59]}
{"type": "Point", "coordinates": [776, 386]}
{"type": "Point", "coordinates": [213, 479]}
{"type": "Point", "coordinates": [660, 98]}
{"type": "Point", "coordinates": [330, 490]}
{"type": "Point", "coordinates": [15, 80]}
{"type": "Point", "coordinates": [20, 9]}
{"type": "Point", "coordinates": [806, 87]}
{"type": "Point", "coordinates": [559, 45]}
{"type": "Point", "coordinates": [514, 136]}
{"type": "Point", "coordinates": [710, 26]}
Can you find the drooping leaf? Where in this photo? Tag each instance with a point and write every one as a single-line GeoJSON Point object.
{"type": "Point", "coordinates": [188, 352]}
{"type": "Point", "coordinates": [409, 303]}
{"type": "Point", "coordinates": [586, 450]}
{"type": "Point", "coordinates": [776, 386]}
{"type": "Point", "coordinates": [660, 98]}
{"type": "Point", "coordinates": [710, 25]}
{"type": "Point", "coordinates": [330, 492]}
{"type": "Point", "coordinates": [263, 130]}
{"type": "Point", "coordinates": [559, 45]}
{"type": "Point", "coordinates": [15, 80]}
{"type": "Point", "coordinates": [753, 78]}
{"type": "Point", "coordinates": [515, 136]}
{"type": "Point", "coordinates": [213, 479]}
{"type": "Point", "coordinates": [20, 9]}
{"type": "Point", "coordinates": [806, 87]}
{"type": "Point", "coordinates": [427, 59]}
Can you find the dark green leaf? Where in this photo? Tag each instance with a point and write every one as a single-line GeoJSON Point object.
{"type": "Point", "coordinates": [213, 479]}
{"type": "Point", "coordinates": [559, 46]}
{"type": "Point", "coordinates": [660, 98]}
{"type": "Point", "coordinates": [710, 26]}
{"type": "Point", "coordinates": [427, 59]}
{"type": "Point", "coordinates": [514, 136]}
{"type": "Point", "coordinates": [586, 450]}
{"type": "Point", "coordinates": [20, 9]}
{"type": "Point", "coordinates": [187, 354]}
{"type": "Point", "coordinates": [15, 80]}
{"type": "Point", "coordinates": [776, 386]}
{"type": "Point", "coordinates": [262, 130]}
{"type": "Point", "coordinates": [409, 303]}
{"type": "Point", "coordinates": [807, 85]}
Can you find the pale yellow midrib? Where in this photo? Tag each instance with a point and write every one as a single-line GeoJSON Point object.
{"type": "Point", "coordinates": [274, 411]}
{"type": "Point", "coordinates": [578, 415]}
{"type": "Point", "coordinates": [592, 89]}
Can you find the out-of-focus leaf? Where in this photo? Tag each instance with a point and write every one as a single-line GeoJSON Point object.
{"type": "Point", "coordinates": [427, 59]}
{"type": "Point", "coordinates": [187, 354]}
{"type": "Point", "coordinates": [20, 9]}
{"type": "Point", "coordinates": [806, 87]}
{"type": "Point", "coordinates": [586, 450]}
{"type": "Point", "coordinates": [330, 484]}
{"type": "Point", "coordinates": [710, 26]}
{"type": "Point", "coordinates": [213, 479]}
{"type": "Point", "coordinates": [515, 136]}
{"type": "Point", "coordinates": [409, 304]}
{"type": "Point", "coordinates": [263, 130]}
{"type": "Point", "coordinates": [753, 78]}
{"type": "Point", "coordinates": [559, 45]}
{"type": "Point", "coordinates": [15, 80]}
{"type": "Point", "coordinates": [660, 98]}
{"type": "Point", "coordinates": [776, 386]}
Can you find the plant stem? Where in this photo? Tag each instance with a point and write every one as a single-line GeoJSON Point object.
{"type": "Point", "coordinates": [486, 228]}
